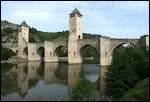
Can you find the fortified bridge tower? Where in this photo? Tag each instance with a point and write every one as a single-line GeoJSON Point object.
{"type": "Point", "coordinates": [75, 33]}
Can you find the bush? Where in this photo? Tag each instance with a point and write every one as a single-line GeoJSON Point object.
{"type": "Point", "coordinates": [32, 39]}
{"type": "Point", "coordinates": [6, 53]}
{"type": "Point", "coordinates": [83, 90]}
{"type": "Point", "coordinates": [139, 93]}
{"type": "Point", "coordinates": [128, 67]}
{"type": "Point", "coordinates": [8, 30]}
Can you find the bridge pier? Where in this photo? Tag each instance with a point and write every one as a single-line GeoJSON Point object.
{"type": "Point", "coordinates": [75, 60]}
{"type": "Point", "coordinates": [49, 52]}
{"type": "Point", "coordinates": [32, 52]}
{"type": "Point", "coordinates": [73, 54]}
{"type": "Point", "coordinates": [51, 59]}
{"type": "Point", "coordinates": [105, 58]}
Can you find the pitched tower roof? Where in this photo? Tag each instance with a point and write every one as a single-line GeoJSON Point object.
{"type": "Point", "coordinates": [75, 11]}
{"type": "Point", "coordinates": [24, 24]}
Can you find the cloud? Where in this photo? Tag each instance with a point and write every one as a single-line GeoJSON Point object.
{"type": "Point", "coordinates": [132, 5]}
{"type": "Point", "coordinates": [116, 17]}
{"type": "Point", "coordinates": [31, 14]}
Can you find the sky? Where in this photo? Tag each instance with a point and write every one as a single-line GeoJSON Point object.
{"type": "Point", "coordinates": [115, 19]}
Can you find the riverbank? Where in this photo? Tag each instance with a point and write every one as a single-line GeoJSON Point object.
{"type": "Point", "coordinates": [62, 60]}
{"type": "Point", "coordinates": [8, 61]}
{"type": "Point", "coordinates": [14, 61]}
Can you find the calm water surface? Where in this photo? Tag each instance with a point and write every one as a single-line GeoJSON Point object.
{"type": "Point", "coordinates": [47, 81]}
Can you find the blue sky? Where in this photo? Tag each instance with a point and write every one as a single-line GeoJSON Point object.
{"type": "Point", "coordinates": [123, 19]}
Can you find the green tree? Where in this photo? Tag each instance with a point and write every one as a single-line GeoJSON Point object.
{"type": "Point", "coordinates": [6, 53]}
{"type": "Point", "coordinates": [127, 68]}
{"type": "Point", "coordinates": [32, 39]}
{"type": "Point", "coordinates": [8, 30]}
{"type": "Point", "coordinates": [83, 90]}
{"type": "Point", "coordinates": [139, 93]}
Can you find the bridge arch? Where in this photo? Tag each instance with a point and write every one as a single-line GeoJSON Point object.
{"type": "Point", "coordinates": [25, 51]}
{"type": "Point", "coordinates": [113, 49]}
{"type": "Point", "coordinates": [89, 52]}
{"type": "Point", "coordinates": [41, 52]}
{"type": "Point", "coordinates": [60, 51]}
{"type": "Point", "coordinates": [121, 44]}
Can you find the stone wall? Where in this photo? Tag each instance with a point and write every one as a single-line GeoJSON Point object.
{"type": "Point", "coordinates": [33, 54]}
{"type": "Point", "coordinates": [50, 56]}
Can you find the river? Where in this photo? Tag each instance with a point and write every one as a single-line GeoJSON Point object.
{"type": "Point", "coordinates": [48, 81]}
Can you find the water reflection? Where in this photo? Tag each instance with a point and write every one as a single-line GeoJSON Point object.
{"type": "Point", "coordinates": [22, 79]}
{"type": "Point", "coordinates": [74, 73]}
{"type": "Point", "coordinates": [49, 76]}
{"type": "Point", "coordinates": [102, 77]}
{"type": "Point", "coordinates": [51, 81]}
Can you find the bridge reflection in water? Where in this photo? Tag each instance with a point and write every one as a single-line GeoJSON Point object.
{"type": "Point", "coordinates": [53, 81]}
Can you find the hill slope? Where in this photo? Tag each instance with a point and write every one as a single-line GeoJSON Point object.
{"type": "Point", "coordinates": [9, 34]}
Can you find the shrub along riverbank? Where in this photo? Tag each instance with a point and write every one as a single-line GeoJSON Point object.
{"type": "Point", "coordinates": [129, 66]}
{"type": "Point", "coordinates": [139, 93]}
{"type": "Point", "coordinates": [6, 53]}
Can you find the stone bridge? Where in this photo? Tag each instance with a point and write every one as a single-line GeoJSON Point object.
{"type": "Point", "coordinates": [48, 50]}
{"type": "Point", "coordinates": [104, 46]}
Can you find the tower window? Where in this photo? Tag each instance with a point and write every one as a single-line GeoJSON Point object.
{"type": "Point", "coordinates": [105, 53]}
{"type": "Point", "coordinates": [74, 53]}
{"type": "Point", "coordinates": [78, 36]}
